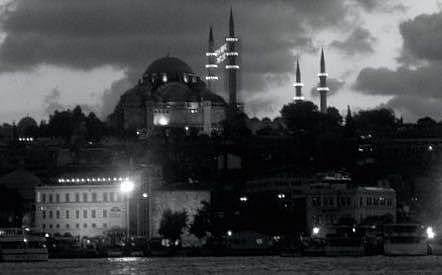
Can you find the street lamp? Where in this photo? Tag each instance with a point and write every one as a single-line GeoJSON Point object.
{"type": "Point", "coordinates": [126, 187]}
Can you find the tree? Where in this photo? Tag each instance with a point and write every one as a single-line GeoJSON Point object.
{"type": "Point", "coordinates": [173, 224]}
{"type": "Point", "coordinates": [301, 116]}
{"type": "Point", "coordinates": [381, 121]}
{"type": "Point", "coordinates": [207, 221]}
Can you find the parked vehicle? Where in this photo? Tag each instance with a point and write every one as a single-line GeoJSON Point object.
{"type": "Point", "coordinates": [405, 239]}
{"type": "Point", "coordinates": [17, 245]}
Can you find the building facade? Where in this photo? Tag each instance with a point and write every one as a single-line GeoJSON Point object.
{"type": "Point", "coordinates": [82, 207]}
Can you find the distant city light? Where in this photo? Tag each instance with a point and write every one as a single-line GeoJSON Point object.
{"type": "Point", "coordinates": [353, 230]}
{"type": "Point", "coordinates": [211, 66]}
{"type": "Point", "coordinates": [229, 233]}
{"type": "Point", "coordinates": [322, 89]}
{"type": "Point", "coordinates": [323, 74]}
{"type": "Point", "coordinates": [298, 84]}
{"type": "Point", "coordinates": [232, 67]}
{"type": "Point", "coordinates": [145, 195]}
{"type": "Point", "coordinates": [281, 196]}
{"type": "Point", "coordinates": [430, 148]}
{"type": "Point", "coordinates": [243, 199]}
{"type": "Point", "coordinates": [47, 235]}
{"type": "Point", "coordinates": [231, 39]}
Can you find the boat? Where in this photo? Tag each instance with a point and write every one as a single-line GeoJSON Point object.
{"type": "Point", "coordinates": [20, 245]}
{"type": "Point", "coordinates": [405, 239]}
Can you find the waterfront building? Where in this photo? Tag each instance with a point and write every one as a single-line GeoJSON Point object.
{"type": "Point", "coordinates": [84, 207]}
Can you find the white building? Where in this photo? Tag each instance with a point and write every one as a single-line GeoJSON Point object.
{"type": "Point", "coordinates": [80, 206]}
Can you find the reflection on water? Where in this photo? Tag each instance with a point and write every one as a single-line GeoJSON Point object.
{"type": "Point", "coordinates": [231, 265]}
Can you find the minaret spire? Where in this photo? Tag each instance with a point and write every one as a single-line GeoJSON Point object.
{"type": "Point", "coordinates": [211, 65]}
{"type": "Point", "coordinates": [298, 84]}
{"type": "Point", "coordinates": [231, 24]}
{"type": "Point", "coordinates": [322, 88]}
{"type": "Point", "coordinates": [232, 67]}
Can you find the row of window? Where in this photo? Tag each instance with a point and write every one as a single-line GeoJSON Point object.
{"type": "Point", "coordinates": [67, 214]}
{"type": "Point", "coordinates": [105, 197]}
{"type": "Point", "coordinates": [68, 226]}
{"type": "Point", "coordinates": [347, 201]}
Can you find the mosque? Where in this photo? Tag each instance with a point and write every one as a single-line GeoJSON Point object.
{"type": "Point", "coordinates": [169, 93]}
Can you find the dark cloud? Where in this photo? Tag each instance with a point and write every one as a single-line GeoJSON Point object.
{"type": "Point", "coordinates": [359, 41]}
{"type": "Point", "coordinates": [381, 5]}
{"type": "Point", "coordinates": [423, 81]}
{"type": "Point", "coordinates": [415, 85]}
{"type": "Point", "coordinates": [422, 37]}
{"type": "Point", "coordinates": [411, 108]}
{"type": "Point", "coordinates": [89, 34]}
{"type": "Point", "coordinates": [333, 84]}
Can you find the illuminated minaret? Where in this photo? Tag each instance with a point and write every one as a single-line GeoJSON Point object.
{"type": "Point", "coordinates": [298, 84]}
{"type": "Point", "coordinates": [231, 65]}
{"type": "Point", "coordinates": [322, 88]}
{"type": "Point", "coordinates": [211, 65]}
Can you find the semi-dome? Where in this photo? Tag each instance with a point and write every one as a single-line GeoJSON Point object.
{"type": "Point", "coordinates": [168, 65]}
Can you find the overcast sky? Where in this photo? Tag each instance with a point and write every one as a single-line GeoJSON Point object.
{"type": "Point", "coordinates": [60, 53]}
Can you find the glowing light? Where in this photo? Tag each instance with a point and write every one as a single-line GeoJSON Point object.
{"type": "Point", "coordinates": [323, 74]}
{"type": "Point", "coordinates": [186, 128]}
{"type": "Point", "coordinates": [47, 235]}
{"type": "Point", "coordinates": [430, 233]}
{"type": "Point", "coordinates": [322, 89]}
{"type": "Point", "coordinates": [298, 84]}
{"type": "Point", "coordinates": [298, 98]}
{"type": "Point", "coordinates": [281, 196]}
{"type": "Point", "coordinates": [127, 186]}
{"type": "Point", "coordinates": [229, 233]}
{"type": "Point", "coordinates": [211, 77]}
{"type": "Point", "coordinates": [144, 195]}
{"type": "Point", "coordinates": [231, 39]}
{"type": "Point", "coordinates": [430, 148]}
{"type": "Point", "coordinates": [163, 121]}
{"type": "Point", "coordinates": [243, 199]}
{"type": "Point", "coordinates": [164, 77]}
{"type": "Point", "coordinates": [210, 54]}
{"type": "Point", "coordinates": [232, 54]}
{"type": "Point", "coordinates": [25, 240]}
{"type": "Point", "coordinates": [228, 67]}
{"type": "Point", "coordinates": [353, 230]}
{"type": "Point", "coordinates": [316, 230]}
{"type": "Point", "coordinates": [211, 66]}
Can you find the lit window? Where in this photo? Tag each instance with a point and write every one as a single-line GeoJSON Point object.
{"type": "Point", "coordinates": [94, 225]}
{"type": "Point", "coordinates": [93, 213]}
{"type": "Point", "coordinates": [57, 198]}
{"type": "Point", "coordinates": [85, 214]}
{"type": "Point", "coordinates": [43, 213]}
{"type": "Point", "coordinates": [67, 214]}
{"type": "Point", "coordinates": [85, 197]}
{"type": "Point", "coordinates": [67, 225]}
{"type": "Point", "coordinates": [104, 225]}
{"type": "Point", "coordinates": [94, 197]}
{"type": "Point", "coordinates": [77, 225]}
{"type": "Point", "coordinates": [50, 198]}
{"type": "Point", "coordinates": [104, 213]}
{"type": "Point", "coordinates": [77, 197]}
{"type": "Point", "coordinates": [112, 196]}
{"type": "Point", "coordinates": [57, 214]}
{"type": "Point", "coordinates": [67, 197]}
{"type": "Point", "coordinates": [43, 198]}
{"type": "Point", "coordinates": [50, 214]}
{"type": "Point", "coordinates": [85, 225]}
{"type": "Point", "coordinates": [77, 214]}
{"type": "Point", "coordinates": [105, 197]}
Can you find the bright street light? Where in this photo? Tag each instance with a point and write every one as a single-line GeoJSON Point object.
{"type": "Point", "coordinates": [243, 199]}
{"type": "Point", "coordinates": [430, 233]}
{"type": "Point", "coordinates": [315, 230]}
{"type": "Point", "coordinates": [127, 186]}
{"type": "Point", "coordinates": [145, 195]}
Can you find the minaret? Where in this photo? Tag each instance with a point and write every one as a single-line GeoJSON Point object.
{"type": "Point", "coordinates": [298, 84]}
{"type": "Point", "coordinates": [231, 65]}
{"type": "Point", "coordinates": [322, 88]}
{"type": "Point", "coordinates": [211, 65]}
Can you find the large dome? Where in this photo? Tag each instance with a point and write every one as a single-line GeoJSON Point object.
{"type": "Point", "coordinates": [168, 65]}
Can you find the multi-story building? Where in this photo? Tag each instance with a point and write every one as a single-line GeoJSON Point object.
{"type": "Point", "coordinates": [326, 204]}
{"type": "Point", "coordinates": [80, 206]}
